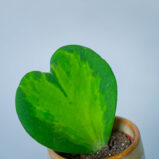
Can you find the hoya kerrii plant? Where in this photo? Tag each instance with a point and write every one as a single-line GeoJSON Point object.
{"type": "Point", "coordinates": [70, 109]}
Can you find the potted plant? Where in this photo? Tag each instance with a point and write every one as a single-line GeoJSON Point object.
{"type": "Point", "coordinates": [71, 109]}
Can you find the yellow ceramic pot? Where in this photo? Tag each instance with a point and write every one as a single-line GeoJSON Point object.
{"type": "Point", "coordinates": [134, 151]}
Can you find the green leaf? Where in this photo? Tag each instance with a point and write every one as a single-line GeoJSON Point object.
{"type": "Point", "coordinates": [72, 108]}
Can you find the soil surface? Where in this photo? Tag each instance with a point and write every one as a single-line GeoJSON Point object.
{"type": "Point", "coordinates": [118, 143]}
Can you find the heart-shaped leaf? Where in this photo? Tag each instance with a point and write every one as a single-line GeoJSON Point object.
{"type": "Point", "coordinates": [72, 108]}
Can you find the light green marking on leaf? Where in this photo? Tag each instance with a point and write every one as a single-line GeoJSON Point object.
{"type": "Point", "coordinates": [72, 108]}
{"type": "Point", "coordinates": [82, 89]}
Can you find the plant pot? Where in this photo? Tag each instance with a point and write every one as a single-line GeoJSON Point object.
{"type": "Point", "coordinates": [134, 151]}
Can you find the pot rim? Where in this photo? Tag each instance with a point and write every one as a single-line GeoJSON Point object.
{"type": "Point", "coordinates": [127, 151]}
{"type": "Point", "coordinates": [136, 137]}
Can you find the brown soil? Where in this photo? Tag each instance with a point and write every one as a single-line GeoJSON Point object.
{"type": "Point", "coordinates": [118, 143]}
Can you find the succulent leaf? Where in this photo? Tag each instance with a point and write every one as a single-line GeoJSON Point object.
{"type": "Point", "coordinates": [72, 108]}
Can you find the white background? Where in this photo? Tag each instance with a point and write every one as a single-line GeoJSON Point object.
{"type": "Point", "coordinates": [125, 33]}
